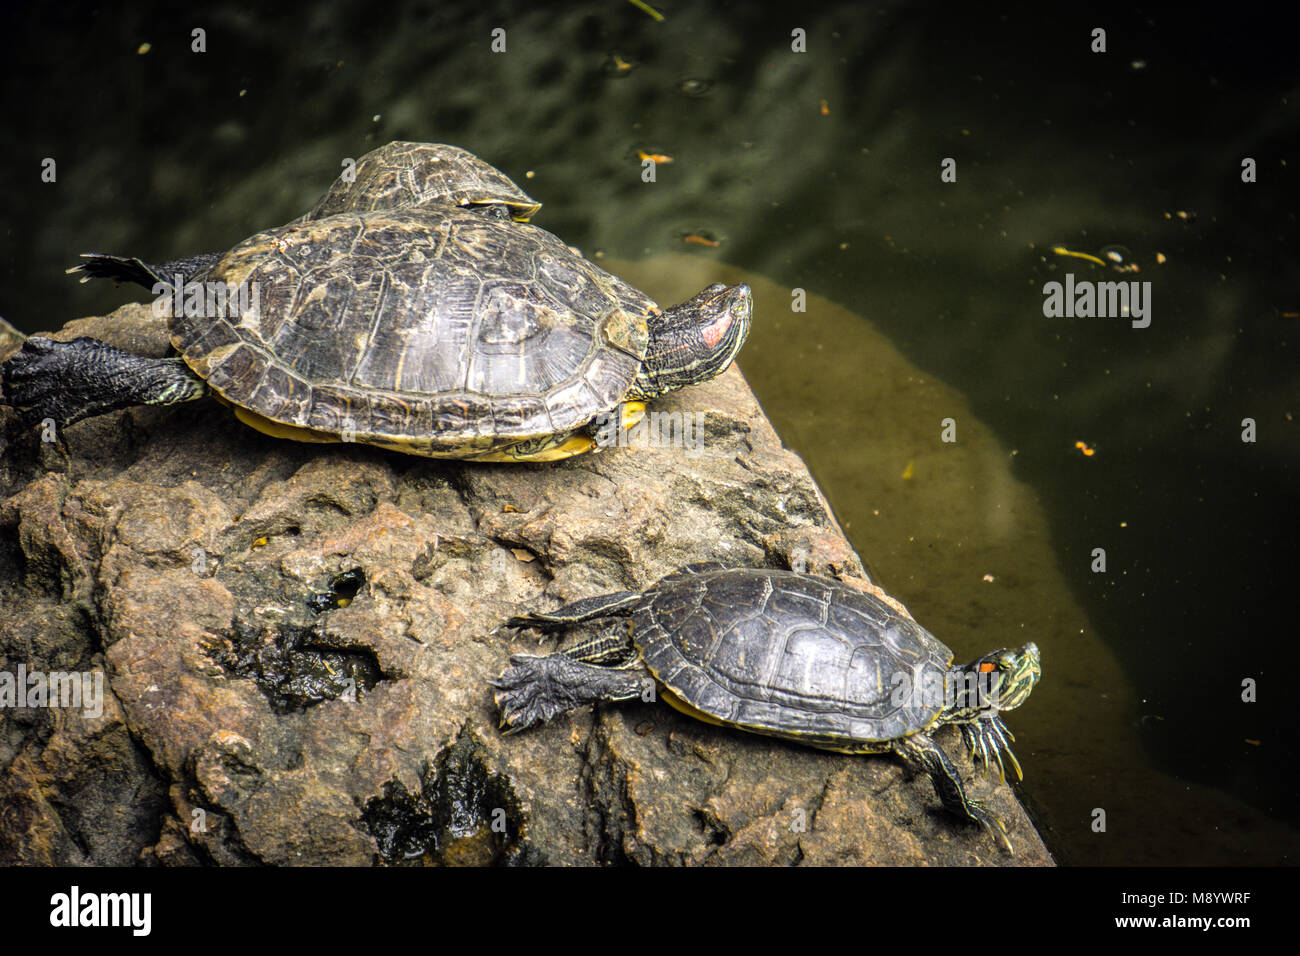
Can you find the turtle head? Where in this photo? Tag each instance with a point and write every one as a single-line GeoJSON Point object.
{"type": "Point", "coordinates": [695, 341]}
{"type": "Point", "coordinates": [1000, 680]}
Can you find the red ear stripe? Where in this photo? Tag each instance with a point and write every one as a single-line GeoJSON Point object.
{"type": "Point", "coordinates": [986, 667]}
{"type": "Point", "coordinates": [713, 333]}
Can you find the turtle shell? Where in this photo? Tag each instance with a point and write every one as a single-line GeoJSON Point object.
{"type": "Point", "coordinates": [436, 331]}
{"type": "Point", "coordinates": [791, 655]}
{"type": "Point", "coordinates": [401, 175]}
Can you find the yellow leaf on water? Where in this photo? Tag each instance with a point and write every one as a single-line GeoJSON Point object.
{"type": "Point", "coordinates": [642, 5]}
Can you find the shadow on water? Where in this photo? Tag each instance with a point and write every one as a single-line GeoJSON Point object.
{"type": "Point", "coordinates": [820, 171]}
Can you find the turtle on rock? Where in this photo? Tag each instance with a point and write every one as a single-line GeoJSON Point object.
{"type": "Point", "coordinates": [790, 655]}
{"type": "Point", "coordinates": [413, 308]}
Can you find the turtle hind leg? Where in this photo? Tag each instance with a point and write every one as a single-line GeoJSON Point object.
{"type": "Point", "coordinates": [69, 381]}
{"type": "Point", "coordinates": [534, 690]}
{"type": "Point", "coordinates": [547, 448]}
{"type": "Point", "coordinates": [603, 605]}
{"type": "Point", "coordinates": [924, 756]}
{"type": "Point", "coordinates": [596, 434]}
{"type": "Point", "coordinates": [131, 269]}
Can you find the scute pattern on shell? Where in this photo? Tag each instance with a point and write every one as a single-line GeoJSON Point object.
{"type": "Point", "coordinates": [436, 328]}
{"type": "Point", "coordinates": [789, 654]}
{"type": "Point", "coordinates": [403, 174]}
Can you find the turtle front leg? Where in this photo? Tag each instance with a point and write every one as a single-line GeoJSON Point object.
{"type": "Point", "coordinates": [988, 737]}
{"type": "Point", "coordinates": [923, 755]}
{"type": "Point", "coordinates": [534, 690]}
{"type": "Point", "coordinates": [69, 381]}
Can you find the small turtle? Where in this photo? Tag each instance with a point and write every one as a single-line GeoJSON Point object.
{"type": "Point", "coordinates": [414, 309]}
{"type": "Point", "coordinates": [791, 655]}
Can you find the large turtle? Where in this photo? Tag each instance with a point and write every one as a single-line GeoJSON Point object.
{"type": "Point", "coordinates": [791, 655]}
{"type": "Point", "coordinates": [413, 308]}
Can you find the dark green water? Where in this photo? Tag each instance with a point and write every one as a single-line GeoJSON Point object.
{"type": "Point", "coordinates": [172, 152]}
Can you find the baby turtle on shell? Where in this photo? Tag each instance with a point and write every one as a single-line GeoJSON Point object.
{"type": "Point", "coordinates": [414, 309]}
{"type": "Point", "coordinates": [791, 655]}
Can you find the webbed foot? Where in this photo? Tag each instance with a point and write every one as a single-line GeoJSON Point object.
{"type": "Point", "coordinates": [69, 381]}
{"type": "Point", "coordinates": [534, 689]}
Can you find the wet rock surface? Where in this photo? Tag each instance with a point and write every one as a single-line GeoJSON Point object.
{"type": "Point", "coordinates": [295, 642]}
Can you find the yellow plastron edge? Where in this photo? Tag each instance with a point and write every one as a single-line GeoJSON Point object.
{"type": "Point", "coordinates": [633, 412]}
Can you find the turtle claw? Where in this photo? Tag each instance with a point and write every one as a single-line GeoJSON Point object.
{"type": "Point", "coordinates": [978, 812]}
{"type": "Point", "coordinates": [118, 268]}
{"type": "Point", "coordinates": [988, 739]}
{"type": "Point", "coordinates": [528, 693]}
{"type": "Point", "coordinates": [534, 690]}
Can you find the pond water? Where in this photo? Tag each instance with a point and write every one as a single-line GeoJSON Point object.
{"type": "Point", "coordinates": [821, 171]}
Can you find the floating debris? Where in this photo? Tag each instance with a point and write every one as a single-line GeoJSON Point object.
{"type": "Point", "coordinates": [659, 158]}
{"type": "Point", "coordinates": [694, 87]}
{"type": "Point", "coordinates": [826, 108]}
{"type": "Point", "coordinates": [646, 8]}
{"type": "Point", "coordinates": [1119, 258]}
{"type": "Point", "coordinates": [700, 240]}
{"type": "Point", "coordinates": [1115, 257]}
{"type": "Point", "coordinates": [1062, 251]}
{"type": "Point", "coordinates": [1083, 447]}
{"type": "Point", "coordinates": [615, 65]}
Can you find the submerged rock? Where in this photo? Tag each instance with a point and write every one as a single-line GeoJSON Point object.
{"type": "Point", "coordinates": [294, 643]}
